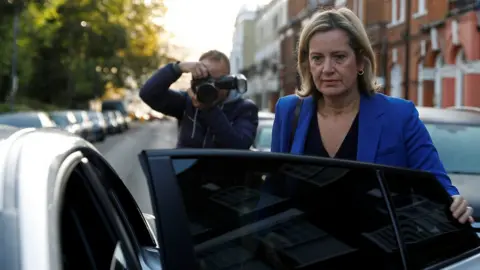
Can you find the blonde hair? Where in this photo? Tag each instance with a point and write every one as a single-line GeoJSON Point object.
{"type": "Point", "coordinates": [343, 19]}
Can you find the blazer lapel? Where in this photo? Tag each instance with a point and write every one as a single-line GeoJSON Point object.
{"type": "Point", "coordinates": [369, 129]}
{"type": "Point", "coordinates": [302, 126]}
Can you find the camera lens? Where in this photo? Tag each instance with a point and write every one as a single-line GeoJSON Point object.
{"type": "Point", "coordinates": [207, 93]}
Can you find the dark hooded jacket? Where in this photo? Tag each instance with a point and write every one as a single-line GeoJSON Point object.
{"type": "Point", "coordinates": [231, 124]}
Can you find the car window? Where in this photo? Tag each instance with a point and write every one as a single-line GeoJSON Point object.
{"type": "Point", "coordinates": [264, 137]}
{"type": "Point", "coordinates": [60, 119]}
{"type": "Point", "coordinates": [79, 117]}
{"type": "Point", "coordinates": [114, 105]}
{"type": "Point", "coordinates": [21, 120]}
{"type": "Point", "coordinates": [71, 118]}
{"type": "Point", "coordinates": [123, 202]}
{"type": "Point", "coordinates": [89, 239]}
{"type": "Point", "coordinates": [458, 146]}
{"type": "Point", "coordinates": [430, 233]}
{"type": "Point", "coordinates": [270, 214]}
{"type": "Point", "coordinates": [46, 120]}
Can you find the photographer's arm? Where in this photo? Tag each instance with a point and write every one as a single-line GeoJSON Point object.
{"type": "Point", "coordinates": [156, 93]}
{"type": "Point", "coordinates": [237, 135]}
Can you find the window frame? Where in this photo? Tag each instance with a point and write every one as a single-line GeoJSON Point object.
{"type": "Point", "coordinates": [398, 12]}
{"type": "Point", "coordinates": [111, 214]}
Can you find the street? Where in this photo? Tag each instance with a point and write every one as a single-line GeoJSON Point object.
{"type": "Point", "coordinates": [122, 151]}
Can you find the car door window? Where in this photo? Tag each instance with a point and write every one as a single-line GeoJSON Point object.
{"type": "Point", "coordinates": [123, 201]}
{"type": "Point", "coordinates": [90, 238]}
{"type": "Point", "coordinates": [430, 233]}
{"type": "Point", "coordinates": [269, 214]}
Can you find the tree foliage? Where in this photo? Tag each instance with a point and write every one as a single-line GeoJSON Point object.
{"type": "Point", "coordinates": [70, 50]}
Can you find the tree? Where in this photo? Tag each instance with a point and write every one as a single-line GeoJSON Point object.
{"type": "Point", "coordinates": [70, 49]}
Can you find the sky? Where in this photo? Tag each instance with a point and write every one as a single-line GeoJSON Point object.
{"type": "Point", "coordinates": [202, 25]}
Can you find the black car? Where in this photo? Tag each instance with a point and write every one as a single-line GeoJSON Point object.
{"type": "Point", "coordinates": [64, 207]}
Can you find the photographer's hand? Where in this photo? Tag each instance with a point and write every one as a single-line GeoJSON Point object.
{"type": "Point", "coordinates": [195, 101]}
{"type": "Point", "coordinates": [197, 69]}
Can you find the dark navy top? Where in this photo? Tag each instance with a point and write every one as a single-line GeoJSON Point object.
{"type": "Point", "coordinates": [314, 145]}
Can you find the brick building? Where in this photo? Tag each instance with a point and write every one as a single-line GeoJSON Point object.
{"type": "Point", "coordinates": [299, 12]}
{"type": "Point", "coordinates": [444, 59]}
{"type": "Point", "coordinates": [451, 62]}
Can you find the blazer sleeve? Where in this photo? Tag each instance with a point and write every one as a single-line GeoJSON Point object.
{"type": "Point", "coordinates": [276, 130]}
{"type": "Point", "coordinates": [421, 153]}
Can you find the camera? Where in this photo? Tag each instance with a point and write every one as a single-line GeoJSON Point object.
{"type": "Point", "coordinates": [207, 89]}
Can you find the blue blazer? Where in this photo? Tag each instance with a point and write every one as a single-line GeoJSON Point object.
{"type": "Point", "coordinates": [390, 133]}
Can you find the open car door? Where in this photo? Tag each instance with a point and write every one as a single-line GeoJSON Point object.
{"type": "Point", "coordinates": [227, 209]}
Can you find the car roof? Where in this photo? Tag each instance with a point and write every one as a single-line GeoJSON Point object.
{"type": "Point", "coordinates": [30, 113]}
{"type": "Point", "coordinates": [265, 122]}
{"type": "Point", "coordinates": [440, 115]}
{"type": "Point", "coordinates": [265, 115]}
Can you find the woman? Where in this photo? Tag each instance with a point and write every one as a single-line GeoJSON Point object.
{"type": "Point", "coordinates": [340, 114]}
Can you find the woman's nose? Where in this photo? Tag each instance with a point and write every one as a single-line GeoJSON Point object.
{"type": "Point", "coordinates": [328, 65]}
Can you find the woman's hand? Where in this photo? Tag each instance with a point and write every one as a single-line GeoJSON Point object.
{"type": "Point", "coordinates": [461, 210]}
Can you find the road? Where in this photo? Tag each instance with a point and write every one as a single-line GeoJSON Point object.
{"type": "Point", "coordinates": [122, 151]}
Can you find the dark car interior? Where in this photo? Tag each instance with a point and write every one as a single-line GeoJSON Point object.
{"type": "Point", "coordinates": [101, 225]}
{"type": "Point", "coordinates": [267, 214]}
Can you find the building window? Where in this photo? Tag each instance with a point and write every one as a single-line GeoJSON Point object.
{"type": "Point", "coordinates": [420, 91]}
{"type": "Point", "coordinates": [239, 65]}
{"type": "Point", "coordinates": [438, 89]}
{"type": "Point", "coordinates": [396, 81]}
{"type": "Point", "coordinates": [398, 11]}
{"type": "Point", "coordinates": [422, 7]}
{"type": "Point", "coordinates": [275, 23]}
{"type": "Point", "coordinates": [358, 8]}
{"type": "Point", "coordinates": [340, 3]}
{"type": "Point", "coordinates": [459, 76]}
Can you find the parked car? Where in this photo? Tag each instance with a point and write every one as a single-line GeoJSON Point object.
{"type": "Point", "coordinates": [67, 121]}
{"type": "Point", "coordinates": [456, 135]}
{"type": "Point", "coordinates": [121, 120]}
{"type": "Point", "coordinates": [112, 125]}
{"type": "Point", "coordinates": [263, 140]}
{"type": "Point", "coordinates": [33, 119]}
{"type": "Point", "coordinates": [465, 108]}
{"type": "Point", "coordinates": [116, 105]}
{"type": "Point", "coordinates": [64, 207]}
{"type": "Point", "coordinates": [86, 124]}
{"type": "Point", "coordinates": [263, 115]}
{"type": "Point", "coordinates": [99, 127]}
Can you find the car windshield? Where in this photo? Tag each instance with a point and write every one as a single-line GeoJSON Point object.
{"type": "Point", "coordinates": [93, 116]}
{"type": "Point", "coordinates": [79, 117]}
{"type": "Point", "coordinates": [21, 120]}
{"type": "Point", "coordinates": [60, 119]}
{"type": "Point", "coordinates": [458, 146]}
{"type": "Point", "coordinates": [264, 137]}
{"type": "Point", "coordinates": [114, 106]}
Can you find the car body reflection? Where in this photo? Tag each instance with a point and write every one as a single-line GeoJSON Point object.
{"type": "Point", "coordinates": [287, 215]}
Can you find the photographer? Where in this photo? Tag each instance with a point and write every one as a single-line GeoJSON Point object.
{"type": "Point", "coordinates": [209, 115]}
